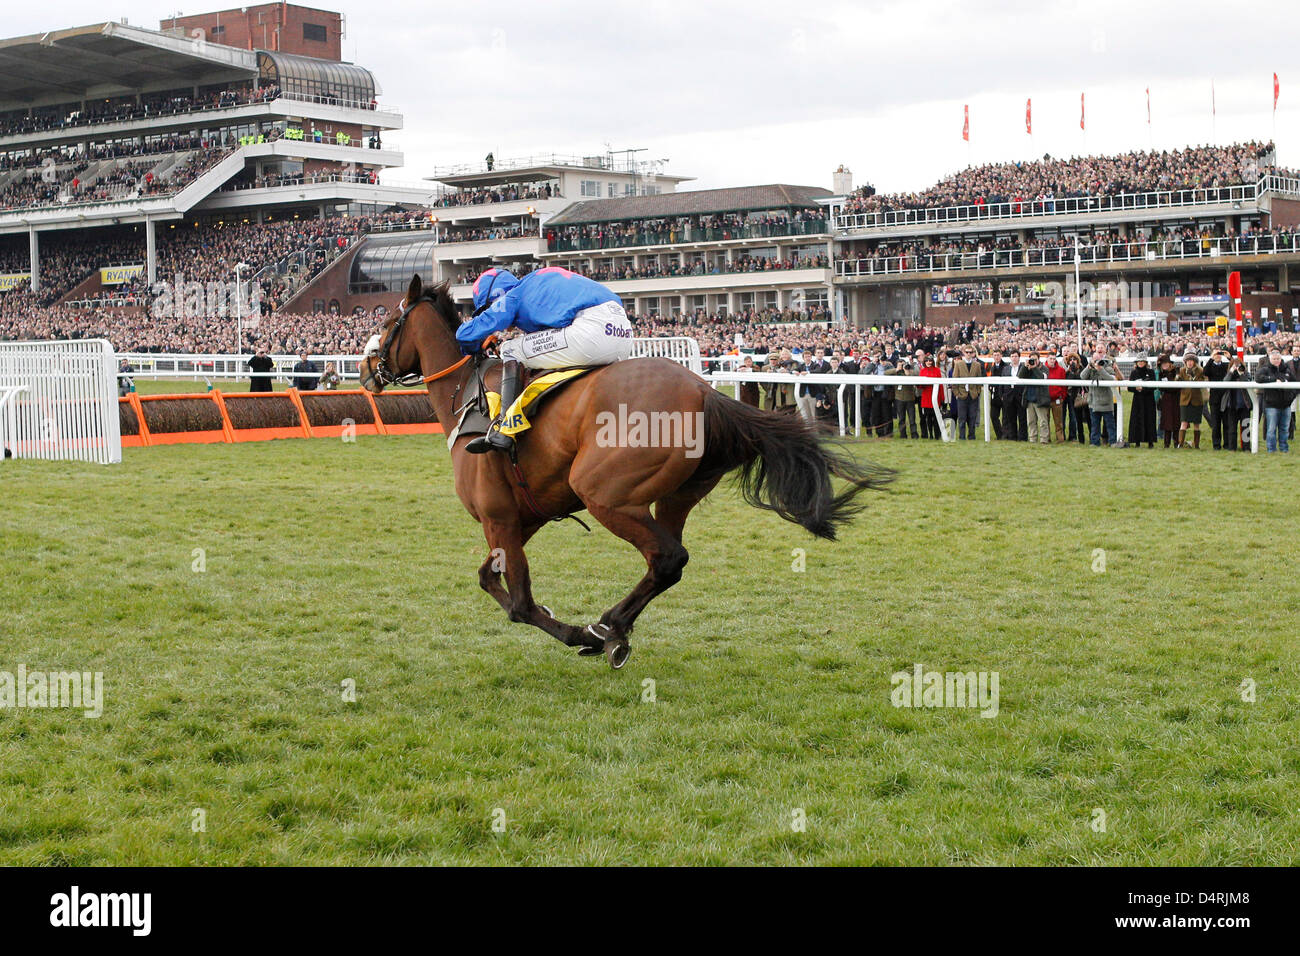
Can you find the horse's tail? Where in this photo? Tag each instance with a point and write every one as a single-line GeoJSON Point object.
{"type": "Point", "coordinates": [786, 464]}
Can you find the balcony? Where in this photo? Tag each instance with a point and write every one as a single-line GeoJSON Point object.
{"type": "Point", "coordinates": [1160, 253]}
{"type": "Point", "coordinates": [688, 235]}
{"type": "Point", "coordinates": [1039, 212]}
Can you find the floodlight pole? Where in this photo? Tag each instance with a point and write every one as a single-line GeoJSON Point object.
{"type": "Point", "coordinates": [1078, 300]}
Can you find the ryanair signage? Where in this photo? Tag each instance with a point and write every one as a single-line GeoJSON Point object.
{"type": "Point", "coordinates": [13, 280]}
{"type": "Point", "coordinates": [116, 275]}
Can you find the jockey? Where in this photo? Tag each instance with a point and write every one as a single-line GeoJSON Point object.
{"type": "Point", "coordinates": [568, 320]}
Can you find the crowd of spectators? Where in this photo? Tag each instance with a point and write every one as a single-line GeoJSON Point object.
{"type": "Point", "coordinates": [1038, 411]}
{"type": "Point", "coordinates": [1039, 183]}
{"type": "Point", "coordinates": [135, 330]}
{"type": "Point", "coordinates": [511, 230]}
{"type": "Point", "coordinates": [511, 192]}
{"type": "Point", "coordinates": [72, 115]}
{"type": "Point", "coordinates": [129, 179]}
{"type": "Point", "coordinates": [991, 252]}
{"type": "Point", "coordinates": [744, 263]}
{"type": "Point", "coordinates": [698, 228]}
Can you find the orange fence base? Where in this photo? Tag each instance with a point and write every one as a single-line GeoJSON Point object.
{"type": "Point", "coordinates": [228, 434]}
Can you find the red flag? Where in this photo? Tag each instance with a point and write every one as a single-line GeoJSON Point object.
{"type": "Point", "coordinates": [1029, 117]}
{"type": "Point", "coordinates": [1081, 113]}
{"type": "Point", "coordinates": [965, 124]}
{"type": "Point", "coordinates": [1148, 106]}
{"type": "Point", "coordinates": [1276, 89]}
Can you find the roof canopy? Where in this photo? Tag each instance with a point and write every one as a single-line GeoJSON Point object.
{"type": "Point", "coordinates": [109, 59]}
{"type": "Point", "coordinates": [308, 76]}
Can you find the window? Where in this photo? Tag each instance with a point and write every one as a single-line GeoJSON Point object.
{"type": "Point", "coordinates": [612, 188]}
{"type": "Point", "coordinates": [313, 31]}
{"type": "Point", "coordinates": [388, 266]}
{"type": "Point", "coordinates": [590, 187]}
{"type": "Point", "coordinates": [217, 31]}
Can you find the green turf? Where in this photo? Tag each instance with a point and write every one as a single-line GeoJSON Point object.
{"type": "Point", "coordinates": [328, 561]}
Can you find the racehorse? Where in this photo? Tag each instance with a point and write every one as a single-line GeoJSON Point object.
{"type": "Point", "coordinates": [640, 490]}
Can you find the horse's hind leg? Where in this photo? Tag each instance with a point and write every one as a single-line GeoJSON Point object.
{"type": "Point", "coordinates": [664, 556]}
{"type": "Point", "coordinates": [506, 542]}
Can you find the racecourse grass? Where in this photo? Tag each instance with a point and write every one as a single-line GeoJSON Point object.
{"type": "Point", "coordinates": [329, 561]}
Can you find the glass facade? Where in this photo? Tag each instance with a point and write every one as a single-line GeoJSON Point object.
{"type": "Point", "coordinates": [325, 81]}
{"type": "Point", "coordinates": [388, 267]}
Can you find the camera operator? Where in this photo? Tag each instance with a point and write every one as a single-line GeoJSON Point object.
{"type": "Point", "coordinates": [1101, 400]}
{"type": "Point", "coordinates": [1037, 401]}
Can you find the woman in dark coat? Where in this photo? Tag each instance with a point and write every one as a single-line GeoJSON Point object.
{"type": "Point", "coordinates": [1142, 411]}
{"type": "Point", "coordinates": [1169, 412]}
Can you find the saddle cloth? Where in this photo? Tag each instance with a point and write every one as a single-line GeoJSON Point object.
{"type": "Point", "coordinates": [516, 417]}
{"type": "Point", "coordinates": [475, 419]}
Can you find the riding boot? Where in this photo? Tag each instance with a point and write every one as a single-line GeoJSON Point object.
{"type": "Point", "coordinates": [1196, 438]}
{"type": "Point", "coordinates": [494, 440]}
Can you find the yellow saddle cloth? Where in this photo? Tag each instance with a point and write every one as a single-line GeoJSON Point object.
{"type": "Point", "coordinates": [516, 417]}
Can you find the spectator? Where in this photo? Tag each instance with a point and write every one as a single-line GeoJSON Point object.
{"type": "Point", "coordinates": [1216, 370]}
{"type": "Point", "coordinates": [1077, 400]}
{"type": "Point", "coordinates": [330, 378]}
{"type": "Point", "coordinates": [1191, 401]}
{"type": "Point", "coordinates": [1234, 405]}
{"type": "Point", "coordinates": [1037, 401]}
{"type": "Point", "coordinates": [967, 397]}
{"type": "Point", "coordinates": [260, 363]}
{"type": "Point", "coordinates": [905, 400]}
{"type": "Point", "coordinates": [1101, 400]}
{"type": "Point", "coordinates": [304, 378]}
{"type": "Point", "coordinates": [1276, 401]}
{"type": "Point", "coordinates": [125, 383]}
{"type": "Point", "coordinates": [930, 422]}
{"type": "Point", "coordinates": [1142, 412]}
{"type": "Point", "coordinates": [1058, 395]}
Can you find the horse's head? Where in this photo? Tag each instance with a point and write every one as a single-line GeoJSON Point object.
{"type": "Point", "coordinates": [425, 320]}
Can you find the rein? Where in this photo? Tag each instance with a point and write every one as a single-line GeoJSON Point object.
{"type": "Point", "coordinates": [385, 376]}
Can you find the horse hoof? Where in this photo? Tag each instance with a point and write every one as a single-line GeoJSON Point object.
{"type": "Point", "coordinates": [617, 652]}
{"type": "Point", "coordinates": [549, 613]}
{"type": "Point", "coordinates": [590, 651]}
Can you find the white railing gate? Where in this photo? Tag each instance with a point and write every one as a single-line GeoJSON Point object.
{"type": "Point", "coordinates": [61, 401]}
{"type": "Point", "coordinates": [681, 349]}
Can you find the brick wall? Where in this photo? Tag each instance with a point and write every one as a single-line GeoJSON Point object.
{"type": "Point", "coordinates": [267, 26]}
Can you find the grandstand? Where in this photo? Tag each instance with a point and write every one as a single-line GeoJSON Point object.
{"type": "Point", "coordinates": [115, 139]}
{"type": "Point", "coordinates": [1175, 223]}
{"type": "Point", "coordinates": [487, 214]}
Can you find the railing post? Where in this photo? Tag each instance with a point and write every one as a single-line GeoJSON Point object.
{"type": "Point", "coordinates": [986, 405]}
{"type": "Point", "coordinates": [1254, 419]}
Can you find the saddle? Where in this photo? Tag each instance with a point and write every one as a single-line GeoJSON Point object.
{"type": "Point", "coordinates": [483, 405]}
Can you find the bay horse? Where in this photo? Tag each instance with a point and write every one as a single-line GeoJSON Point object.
{"type": "Point", "coordinates": [568, 463]}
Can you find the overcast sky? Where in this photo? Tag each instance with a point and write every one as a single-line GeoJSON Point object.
{"type": "Point", "coordinates": [738, 93]}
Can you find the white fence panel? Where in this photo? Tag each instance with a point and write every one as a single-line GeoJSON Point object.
{"type": "Point", "coordinates": [681, 349]}
{"type": "Point", "coordinates": [62, 401]}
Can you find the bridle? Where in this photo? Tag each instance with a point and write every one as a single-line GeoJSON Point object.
{"type": "Point", "coordinates": [382, 375]}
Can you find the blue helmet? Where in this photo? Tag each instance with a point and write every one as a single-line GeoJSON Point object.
{"type": "Point", "coordinates": [492, 285]}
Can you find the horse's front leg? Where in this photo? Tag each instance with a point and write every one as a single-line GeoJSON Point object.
{"type": "Point", "coordinates": [506, 540]}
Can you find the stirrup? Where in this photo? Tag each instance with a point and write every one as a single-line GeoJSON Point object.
{"type": "Point", "coordinates": [492, 441]}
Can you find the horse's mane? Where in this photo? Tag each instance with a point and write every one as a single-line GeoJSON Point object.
{"type": "Point", "coordinates": [440, 297]}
